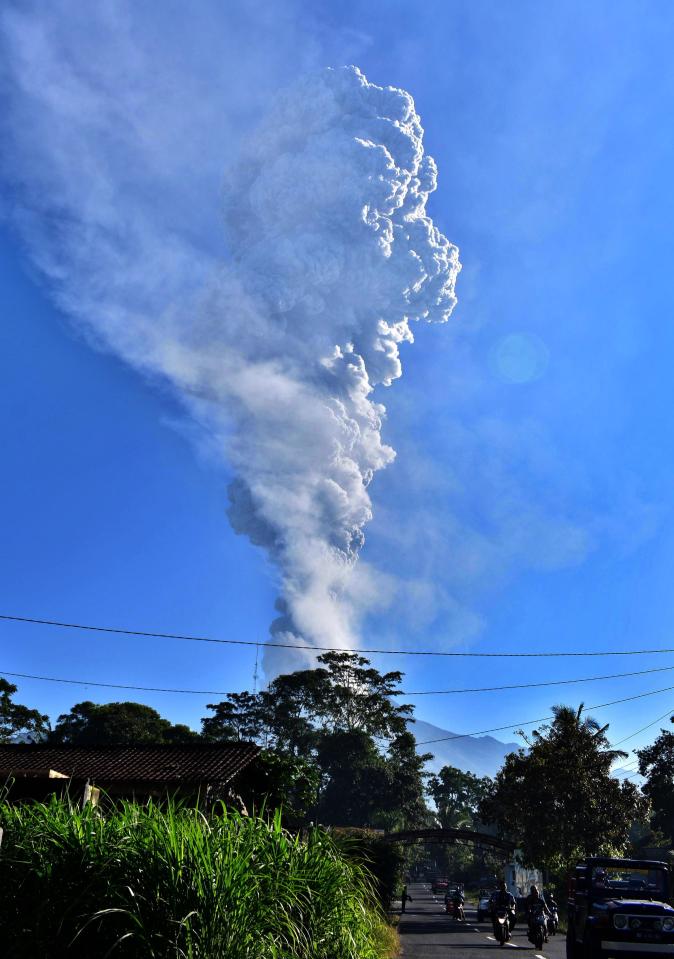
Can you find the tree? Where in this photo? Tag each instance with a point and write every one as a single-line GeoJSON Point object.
{"type": "Point", "coordinates": [558, 800]}
{"type": "Point", "coordinates": [117, 724]}
{"type": "Point", "coordinates": [277, 781]}
{"type": "Point", "coordinates": [406, 806]}
{"type": "Point", "coordinates": [352, 695]}
{"type": "Point", "coordinates": [17, 720]}
{"type": "Point", "coordinates": [656, 763]}
{"type": "Point", "coordinates": [342, 717]}
{"type": "Point", "coordinates": [353, 779]}
{"type": "Point", "coordinates": [237, 718]}
{"type": "Point", "coordinates": [457, 795]}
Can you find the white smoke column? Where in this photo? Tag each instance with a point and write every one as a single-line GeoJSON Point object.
{"type": "Point", "coordinates": [331, 257]}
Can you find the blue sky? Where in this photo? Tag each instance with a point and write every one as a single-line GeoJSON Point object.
{"type": "Point", "coordinates": [529, 507]}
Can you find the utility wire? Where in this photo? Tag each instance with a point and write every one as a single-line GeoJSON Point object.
{"type": "Point", "coordinates": [554, 682]}
{"type": "Point", "coordinates": [87, 682]}
{"type": "Point", "coordinates": [424, 742]}
{"type": "Point", "coordinates": [643, 728]}
{"type": "Point", "coordinates": [333, 649]}
{"type": "Point", "coordinates": [219, 692]}
{"type": "Point", "coordinates": [541, 719]}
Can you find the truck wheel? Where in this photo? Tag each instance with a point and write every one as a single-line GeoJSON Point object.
{"type": "Point", "coordinates": [572, 948]}
{"type": "Point", "coordinates": [590, 950]}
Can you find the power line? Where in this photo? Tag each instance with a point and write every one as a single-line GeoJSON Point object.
{"type": "Point", "coordinates": [542, 719]}
{"type": "Point", "coordinates": [643, 728]}
{"type": "Point", "coordinates": [219, 692]}
{"type": "Point", "coordinates": [144, 689]}
{"type": "Point", "coordinates": [334, 649]}
{"type": "Point", "coordinates": [554, 682]}
{"type": "Point", "coordinates": [423, 742]}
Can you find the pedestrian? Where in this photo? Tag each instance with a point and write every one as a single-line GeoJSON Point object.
{"type": "Point", "coordinates": [405, 896]}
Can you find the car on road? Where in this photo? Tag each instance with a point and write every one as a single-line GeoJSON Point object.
{"type": "Point", "coordinates": [620, 908]}
{"type": "Point", "coordinates": [439, 885]}
{"type": "Point", "coordinates": [484, 904]}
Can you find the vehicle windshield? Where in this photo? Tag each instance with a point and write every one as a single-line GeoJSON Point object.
{"type": "Point", "coordinates": [626, 882]}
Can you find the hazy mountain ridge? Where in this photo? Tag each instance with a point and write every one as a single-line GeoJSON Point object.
{"type": "Point", "coordinates": [482, 755]}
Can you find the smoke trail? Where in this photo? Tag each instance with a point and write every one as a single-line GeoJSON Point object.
{"type": "Point", "coordinates": [331, 258]}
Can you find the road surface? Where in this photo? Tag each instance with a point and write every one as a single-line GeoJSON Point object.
{"type": "Point", "coordinates": [426, 932]}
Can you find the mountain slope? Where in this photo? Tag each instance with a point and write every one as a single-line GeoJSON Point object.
{"type": "Point", "coordinates": [482, 755]}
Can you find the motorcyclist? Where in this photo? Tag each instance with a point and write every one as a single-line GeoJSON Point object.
{"type": "Point", "coordinates": [458, 900]}
{"type": "Point", "coordinates": [551, 903]}
{"type": "Point", "coordinates": [534, 902]}
{"type": "Point", "coordinates": [502, 899]}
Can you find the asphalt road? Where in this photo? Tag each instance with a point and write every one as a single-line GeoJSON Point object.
{"type": "Point", "coordinates": [426, 932]}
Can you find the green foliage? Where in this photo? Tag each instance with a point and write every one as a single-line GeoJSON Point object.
{"type": "Point", "coordinates": [344, 695]}
{"type": "Point", "coordinates": [404, 801]}
{"type": "Point", "coordinates": [17, 719]}
{"type": "Point", "coordinates": [457, 796]}
{"type": "Point", "coordinates": [278, 781]}
{"type": "Point", "coordinates": [235, 720]}
{"type": "Point", "coordinates": [558, 800]}
{"type": "Point", "coordinates": [656, 763]}
{"type": "Point", "coordinates": [354, 777]}
{"type": "Point", "coordinates": [117, 724]}
{"type": "Point", "coordinates": [171, 884]}
{"type": "Point", "coordinates": [342, 718]}
{"type": "Point", "coordinates": [385, 861]}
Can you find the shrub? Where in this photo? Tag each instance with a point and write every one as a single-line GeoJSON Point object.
{"type": "Point", "coordinates": [144, 881]}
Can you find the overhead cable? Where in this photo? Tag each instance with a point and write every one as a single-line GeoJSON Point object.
{"type": "Point", "coordinates": [542, 719]}
{"type": "Point", "coordinates": [643, 728]}
{"type": "Point", "coordinates": [553, 682]}
{"type": "Point", "coordinates": [88, 682]}
{"type": "Point", "coordinates": [334, 649]}
{"type": "Point", "coordinates": [220, 692]}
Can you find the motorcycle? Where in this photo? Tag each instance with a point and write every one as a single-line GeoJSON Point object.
{"type": "Point", "coordinates": [538, 927]}
{"type": "Point", "coordinates": [553, 920]}
{"type": "Point", "coordinates": [502, 921]}
{"type": "Point", "coordinates": [455, 909]}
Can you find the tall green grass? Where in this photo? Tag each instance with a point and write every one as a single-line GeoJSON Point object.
{"type": "Point", "coordinates": [151, 882]}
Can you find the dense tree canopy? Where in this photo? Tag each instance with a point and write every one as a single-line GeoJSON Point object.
{"type": "Point", "coordinates": [656, 763]}
{"type": "Point", "coordinates": [457, 795]}
{"type": "Point", "coordinates": [343, 718]}
{"type": "Point", "coordinates": [558, 800]}
{"type": "Point", "coordinates": [17, 720]}
{"type": "Point", "coordinates": [117, 723]}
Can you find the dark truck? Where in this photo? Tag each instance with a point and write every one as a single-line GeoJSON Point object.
{"type": "Point", "coordinates": [620, 908]}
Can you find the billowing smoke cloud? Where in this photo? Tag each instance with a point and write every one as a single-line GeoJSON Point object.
{"type": "Point", "coordinates": [330, 257]}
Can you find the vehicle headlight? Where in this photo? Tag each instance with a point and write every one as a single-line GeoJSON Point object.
{"type": "Point", "coordinates": [620, 922]}
{"type": "Point", "coordinates": [667, 925]}
{"type": "Point", "coordinates": [635, 923]}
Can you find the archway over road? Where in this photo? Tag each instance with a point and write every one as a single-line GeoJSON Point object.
{"type": "Point", "coordinates": [410, 836]}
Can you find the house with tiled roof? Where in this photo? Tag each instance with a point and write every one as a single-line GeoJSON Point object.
{"type": "Point", "coordinates": [208, 770]}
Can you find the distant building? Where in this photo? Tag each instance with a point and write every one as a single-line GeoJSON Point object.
{"type": "Point", "coordinates": [210, 771]}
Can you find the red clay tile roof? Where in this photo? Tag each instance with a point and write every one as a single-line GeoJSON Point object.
{"type": "Point", "coordinates": [194, 763]}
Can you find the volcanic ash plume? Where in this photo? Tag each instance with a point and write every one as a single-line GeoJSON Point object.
{"type": "Point", "coordinates": [333, 256]}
